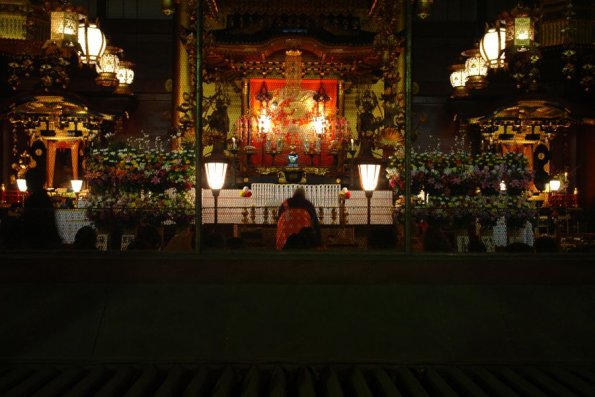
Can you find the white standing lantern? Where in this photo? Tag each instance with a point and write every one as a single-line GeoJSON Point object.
{"type": "Point", "coordinates": [22, 186]}
{"type": "Point", "coordinates": [368, 175]}
{"type": "Point", "coordinates": [216, 168]}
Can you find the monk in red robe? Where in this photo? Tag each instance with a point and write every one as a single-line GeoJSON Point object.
{"type": "Point", "coordinates": [298, 225]}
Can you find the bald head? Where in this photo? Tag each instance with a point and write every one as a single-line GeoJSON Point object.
{"type": "Point", "coordinates": [299, 193]}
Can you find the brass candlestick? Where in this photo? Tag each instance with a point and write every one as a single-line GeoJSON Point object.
{"type": "Point", "coordinates": [334, 215]}
{"type": "Point", "coordinates": [253, 214]}
{"type": "Point", "coordinates": [321, 214]}
{"type": "Point", "coordinates": [342, 212]}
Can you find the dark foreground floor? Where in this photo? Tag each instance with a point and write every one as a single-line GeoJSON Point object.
{"type": "Point", "coordinates": [310, 381]}
{"type": "Point", "coordinates": [441, 325]}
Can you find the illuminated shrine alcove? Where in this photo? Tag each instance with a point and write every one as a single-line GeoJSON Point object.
{"type": "Point", "coordinates": [537, 128]}
{"type": "Point", "coordinates": [53, 132]}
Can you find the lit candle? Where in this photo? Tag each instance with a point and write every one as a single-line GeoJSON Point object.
{"type": "Point", "coordinates": [233, 143]}
{"type": "Point", "coordinates": [502, 186]}
{"type": "Point", "coordinates": [352, 144]}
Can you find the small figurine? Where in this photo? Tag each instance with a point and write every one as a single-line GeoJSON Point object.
{"type": "Point", "coordinates": [292, 157]}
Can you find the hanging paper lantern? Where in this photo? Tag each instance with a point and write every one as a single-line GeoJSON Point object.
{"type": "Point", "coordinates": [492, 46]}
{"type": "Point", "coordinates": [92, 43]}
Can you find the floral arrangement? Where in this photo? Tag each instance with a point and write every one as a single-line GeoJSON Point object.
{"type": "Point", "coordinates": [461, 173]}
{"type": "Point", "coordinates": [458, 187]}
{"type": "Point", "coordinates": [138, 181]}
{"type": "Point", "coordinates": [460, 211]}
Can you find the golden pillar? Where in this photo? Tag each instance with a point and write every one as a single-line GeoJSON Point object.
{"type": "Point", "coordinates": [401, 61]}
{"type": "Point", "coordinates": [245, 98]}
{"type": "Point", "coordinates": [181, 81]}
{"type": "Point", "coordinates": [341, 98]}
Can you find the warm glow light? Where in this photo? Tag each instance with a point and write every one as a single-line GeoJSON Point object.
{"type": "Point", "coordinates": [476, 68]}
{"type": "Point", "coordinates": [92, 42]}
{"type": "Point", "coordinates": [265, 124]}
{"type": "Point", "coordinates": [22, 185]}
{"type": "Point", "coordinates": [422, 196]}
{"type": "Point", "coordinates": [492, 47]}
{"type": "Point", "coordinates": [77, 185]}
{"type": "Point", "coordinates": [63, 27]}
{"type": "Point", "coordinates": [502, 186]}
{"type": "Point", "coordinates": [109, 61]}
{"type": "Point", "coordinates": [458, 78]}
{"type": "Point", "coordinates": [216, 174]}
{"type": "Point", "coordinates": [523, 31]}
{"type": "Point", "coordinates": [319, 123]}
{"type": "Point", "coordinates": [125, 74]}
{"type": "Point", "coordinates": [107, 67]}
{"type": "Point", "coordinates": [520, 29]}
{"type": "Point", "coordinates": [554, 185]}
{"type": "Point", "coordinates": [368, 175]}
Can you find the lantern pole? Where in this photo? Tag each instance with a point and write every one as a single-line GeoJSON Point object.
{"type": "Point", "coordinates": [198, 131]}
{"type": "Point", "coordinates": [408, 124]}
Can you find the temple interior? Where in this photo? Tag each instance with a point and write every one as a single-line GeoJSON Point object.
{"type": "Point", "coordinates": [445, 106]}
{"type": "Point", "coordinates": [334, 198]}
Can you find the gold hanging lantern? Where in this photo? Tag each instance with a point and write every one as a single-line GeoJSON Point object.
{"type": "Point", "coordinates": [458, 80]}
{"type": "Point", "coordinates": [520, 29]}
{"type": "Point", "coordinates": [477, 70]}
{"type": "Point", "coordinates": [125, 76]}
{"type": "Point", "coordinates": [64, 27]}
{"type": "Point", "coordinates": [107, 67]}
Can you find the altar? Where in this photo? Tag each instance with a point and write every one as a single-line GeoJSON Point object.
{"type": "Point", "coordinates": [261, 207]}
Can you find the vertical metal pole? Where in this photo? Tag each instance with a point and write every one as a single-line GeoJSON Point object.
{"type": "Point", "coordinates": [408, 123]}
{"type": "Point", "coordinates": [216, 202]}
{"type": "Point", "coordinates": [369, 197]}
{"type": "Point", "coordinates": [198, 130]}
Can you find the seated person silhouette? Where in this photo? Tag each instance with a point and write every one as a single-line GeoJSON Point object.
{"type": "Point", "coordinates": [39, 222]}
{"type": "Point", "coordinates": [297, 226]}
{"type": "Point", "coordinates": [85, 239]}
